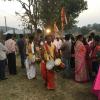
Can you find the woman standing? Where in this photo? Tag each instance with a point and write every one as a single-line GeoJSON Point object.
{"type": "Point", "coordinates": [30, 61]}
{"type": "Point", "coordinates": [11, 46]}
{"type": "Point", "coordinates": [80, 61]}
{"type": "Point", "coordinates": [88, 58]}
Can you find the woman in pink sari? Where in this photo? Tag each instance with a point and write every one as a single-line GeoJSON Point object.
{"type": "Point", "coordinates": [80, 61]}
{"type": "Point", "coordinates": [96, 86]}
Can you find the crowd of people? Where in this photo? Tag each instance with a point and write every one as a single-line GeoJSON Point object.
{"type": "Point", "coordinates": [69, 54]}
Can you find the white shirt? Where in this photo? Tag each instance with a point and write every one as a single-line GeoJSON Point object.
{"type": "Point", "coordinates": [3, 51]}
{"type": "Point", "coordinates": [58, 44]}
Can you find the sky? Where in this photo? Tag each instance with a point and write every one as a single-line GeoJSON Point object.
{"type": "Point", "coordinates": [89, 16]}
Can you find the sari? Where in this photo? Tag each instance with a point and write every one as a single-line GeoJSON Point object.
{"type": "Point", "coordinates": [88, 60]}
{"type": "Point", "coordinates": [48, 75]}
{"type": "Point", "coordinates": [80, 62]}
{"type": "Point", "coordinates": [96, 85]}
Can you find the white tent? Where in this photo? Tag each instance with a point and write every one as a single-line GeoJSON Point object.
{"type": "Point", "coordinates": [16, 31]}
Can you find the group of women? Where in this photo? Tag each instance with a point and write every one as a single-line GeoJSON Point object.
{"type": "Point", "coordinates": [83, 54]}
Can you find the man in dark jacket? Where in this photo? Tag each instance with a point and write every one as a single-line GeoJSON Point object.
{"type": "Point", "coordinates": [22, 49]}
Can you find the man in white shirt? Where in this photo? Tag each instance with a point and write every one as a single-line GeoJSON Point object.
{"type": "Point", "coordinates": [3, 51]}
{"type": "Point", "coordinates": [58, 43]}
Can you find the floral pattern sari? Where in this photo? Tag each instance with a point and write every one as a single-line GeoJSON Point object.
{"type": "Point", "coordinates": [80, 62]}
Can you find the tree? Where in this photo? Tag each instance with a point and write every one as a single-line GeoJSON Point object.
{"type": "Point", "coordinates": [85, 30]}
{"type": "Point", "coordinates": [50, 11]}
{"type": "Point", "coordinates": [31, 14]}
{"type": "Point", "coordinates": [96, 27]}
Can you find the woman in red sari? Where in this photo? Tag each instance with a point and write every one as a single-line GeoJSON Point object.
{"type": "Point", "coordinates": [80, 61]}
{"type": "Point", "coordinates": [48, 53]}
{"type": "Point", "coordinates": [88, 58]}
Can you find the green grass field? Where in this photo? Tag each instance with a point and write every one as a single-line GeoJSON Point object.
{"type": "Point", "coordinates": [18, 87]}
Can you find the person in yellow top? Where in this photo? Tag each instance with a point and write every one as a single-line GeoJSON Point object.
{"type": "Point", "coordinates": [48, 53]}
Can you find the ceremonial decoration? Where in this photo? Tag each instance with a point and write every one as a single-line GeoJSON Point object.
{"type": "Point", "coordinates": [58, 62]}
{"type": "Point", "coordinates": [56, 30]}
{"type": "Point", "coordinates": [63, 18]}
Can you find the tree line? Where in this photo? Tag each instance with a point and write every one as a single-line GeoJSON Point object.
{"type": "Point", "coordinates": [84, 29]}
{"type": "Point", "coordinates": [43, 13]}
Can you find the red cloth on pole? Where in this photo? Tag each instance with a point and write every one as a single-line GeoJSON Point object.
{"type": "Point", "coordinates": [55, 28]}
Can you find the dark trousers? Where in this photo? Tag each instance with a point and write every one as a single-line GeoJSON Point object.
{"type": "Point", "coordinates": [67, 69]}
{"type": "Point", "coordinates": [72, 62]}
{"type": "Point", "coordinates": [95, 66]}
{"type": "Point", "coordinates": [12, 63]}
{"type": "Point", "coordinates": [2, 69]}
{"type": "Point", "coordinates": [22, 57]}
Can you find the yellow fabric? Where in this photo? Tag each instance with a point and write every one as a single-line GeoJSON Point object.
{"type": "Point", "coordinates": [50, 55]}
{"type": "Point", "coordinates": [30, 55]}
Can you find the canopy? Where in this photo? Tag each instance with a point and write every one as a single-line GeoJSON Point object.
{"type": "Point", "coordinates": [16, 31]}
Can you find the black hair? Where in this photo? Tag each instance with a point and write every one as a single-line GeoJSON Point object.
{"type": "Point", "coordinates": [97, 38]}
{"type": "Point", "coordinates": [92, 34]}
{"type": "Point", "coordinates": [84, 41]}
{"type": "Point", "coordinates": [8, 36]}
{"type": "Point", "coordinates": [31, 39]}
{"type": "Point", "coordinates": [67, 37]}
{"type": "Point", "coordinates": [79, 37]}
{"type": "Point", "coordinates": [39, 31]}
{"type": "Point", "coordinates": [21, 36]}
{"type": "Point", "coordinates": [89, 38]}
{"type": "Point", "coordinates": [72, 38]}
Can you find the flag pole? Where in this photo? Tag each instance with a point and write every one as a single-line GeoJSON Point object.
{"type": "Point", "coordinates": [64, 19]}
{"type": "Point", "coordinates": [5, 23]}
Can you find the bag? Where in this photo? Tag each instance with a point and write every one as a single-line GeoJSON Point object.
{"type": "Point", "coordinates": [59, 65]}
{"type": "Point", "coordinates": [50, 64]}
{"type": "Point", "coordinates": [58, 62]}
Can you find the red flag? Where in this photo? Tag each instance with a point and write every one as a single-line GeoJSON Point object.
{"type": "Point", "coordinates": [63, 18]}
{"type": "Point", "coordinates": [62, 14]}
{"type": "Point", "coordinates": [55, 28]}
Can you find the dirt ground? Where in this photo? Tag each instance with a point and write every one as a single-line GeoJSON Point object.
{"type": "Point", "coordinates": [18, 87]}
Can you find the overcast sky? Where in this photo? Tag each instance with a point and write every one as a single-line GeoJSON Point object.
{"type": "Point", "coordinates": [90, 16]}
